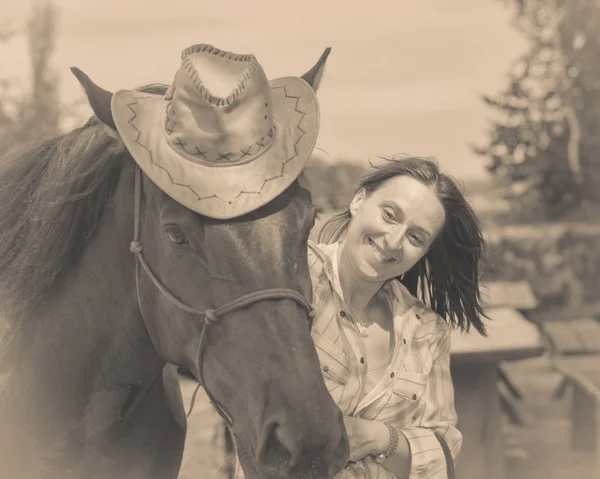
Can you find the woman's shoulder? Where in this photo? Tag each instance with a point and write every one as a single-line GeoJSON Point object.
{"type": "Point", "coordinates": [434, 321]}
{"type": "Point", "coordinates": [427, 316]}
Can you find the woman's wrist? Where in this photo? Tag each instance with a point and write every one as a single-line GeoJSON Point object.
{"type": "Point", "coordinates": [382, 439]}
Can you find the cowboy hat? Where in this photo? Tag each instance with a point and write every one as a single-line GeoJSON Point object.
{"type": "Point", "coordinates": [223, 140]}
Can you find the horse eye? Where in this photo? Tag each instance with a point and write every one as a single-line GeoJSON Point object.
{"type": "Point", "coordinates": [175, 235]}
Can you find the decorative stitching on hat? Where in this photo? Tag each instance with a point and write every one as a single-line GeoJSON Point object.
{"type": "Point", "coordinates": [224, 157]}
{"type": "Point", "coordinates": [200, 152]}
{"type": "Point", "coordinates": [243, 192]}
{"type": "Point", "coordinates": [209, 97]}
{"type": "Point", "coordinates": [303, 114]}
{"type": "Point", "coordinates": [221, 156]}
{"type": "Point", "coordinates": [203, 47]}
{"type": "Point", "coordinates": [180, 143]}
{"type": "Point", "coordinates": [252, 66]}
{"type": "Point", "coordinates": [137, 140]}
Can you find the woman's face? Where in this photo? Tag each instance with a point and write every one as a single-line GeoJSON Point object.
{"type": "Point", "coordinates": [392, 228]}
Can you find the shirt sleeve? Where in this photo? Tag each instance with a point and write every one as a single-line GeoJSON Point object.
{"type": "Point", "coordinates": [438, 414]}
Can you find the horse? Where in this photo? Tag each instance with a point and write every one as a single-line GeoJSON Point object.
{"type": "Point", "coordinates": [92, 334]}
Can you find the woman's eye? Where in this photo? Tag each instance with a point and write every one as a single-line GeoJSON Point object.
{"type": "Point", "coordinates": [176, 236]}
{"type": "Point", "coordinates": [388, 215]}
{"type": "Point", "coordinates": [415, 240]}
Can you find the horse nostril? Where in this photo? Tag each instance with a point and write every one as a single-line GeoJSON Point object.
{"type": "Point", "coordinates": [277, 447]}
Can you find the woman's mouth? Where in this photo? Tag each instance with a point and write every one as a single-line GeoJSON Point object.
{"type": "Point", "coordinates": [380, 253]}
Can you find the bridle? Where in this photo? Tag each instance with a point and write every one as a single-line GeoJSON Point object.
{"type": "Point", "coordinates": [210, 315]}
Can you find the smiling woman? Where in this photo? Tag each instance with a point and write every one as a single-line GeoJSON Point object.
{"type": "Point", "coordinates": [412, 218]}
{"type": "Point", "coordinates": [408, 233]}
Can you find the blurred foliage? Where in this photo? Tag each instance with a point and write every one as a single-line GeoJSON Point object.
{"type": "Point", "coordinates": [35, 113]}
{"type": "Point", "coordinates": [333, 181]}
{"type": "Point", "coordinates": [543, 142]}
{"type": "Point", "coordinates": [560, 261]}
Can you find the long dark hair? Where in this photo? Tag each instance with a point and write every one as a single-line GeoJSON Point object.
{"type": "Point", "coordinates": [447, 277]}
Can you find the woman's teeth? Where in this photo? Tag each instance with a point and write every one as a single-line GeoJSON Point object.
{"type": "Point", "coordinates": [379, 253]}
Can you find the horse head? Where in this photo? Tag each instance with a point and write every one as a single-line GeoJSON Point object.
{"type": "Point", "coordinates": [256, 359]}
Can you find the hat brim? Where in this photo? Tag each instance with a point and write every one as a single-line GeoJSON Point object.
{"type": "Point", "coordinates": [221, 191]}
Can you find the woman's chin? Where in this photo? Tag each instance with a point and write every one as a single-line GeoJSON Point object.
{"type": "Point", "coordinates": [369, 273]}
{"type": "Point", "coordinates": [373, 274]}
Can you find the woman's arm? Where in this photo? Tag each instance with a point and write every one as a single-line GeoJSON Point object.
{"type": "Point", "coordinates": [418, 454]}
{"type": "Point", "coordinates": [438, 413]}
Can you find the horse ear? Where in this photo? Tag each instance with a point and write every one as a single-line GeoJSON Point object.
{"type": "Point", "coordinates": [314, 75]}
{"type": "Point", "coordinates": [99, 98]}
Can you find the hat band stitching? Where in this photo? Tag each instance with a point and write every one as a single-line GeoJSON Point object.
{"type": "Point", "coordinates": [182, 148]}
{"type": "Point", "coordinates": [242, 192]}
{"type": "Point", "coordinates": [220, 156]}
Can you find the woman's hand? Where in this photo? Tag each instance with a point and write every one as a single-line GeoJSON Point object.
{"type": "Point", "coordinates": [366, 437]}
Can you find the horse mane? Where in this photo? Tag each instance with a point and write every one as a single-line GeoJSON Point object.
{"type": "Point", "coordinates": [52, 197]}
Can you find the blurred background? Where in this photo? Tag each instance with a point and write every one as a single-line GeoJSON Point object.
{"type": "Point", "coordinates": [505, 94]}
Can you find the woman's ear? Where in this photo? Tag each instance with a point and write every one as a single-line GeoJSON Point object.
{"type": "Point", "coordinates": [359, 197]}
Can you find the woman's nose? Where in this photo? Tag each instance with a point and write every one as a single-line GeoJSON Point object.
{"type": "Point", "coordinates": [395, 238]}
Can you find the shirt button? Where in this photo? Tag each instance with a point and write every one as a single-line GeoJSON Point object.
{"type": "Point", "coordinates": [362, 360]}
{"type": "Point", "coordinates": [418, 316]}
{"type": "Point", "coordinates": [414, 396]}
{"type": "Point", "coordinates": [326, 368]}
{"type": "Point", "coordinates": [342, 313]}
{"type": "Point", "coordinates": [404, 340]}
{"type": "Point", "coordinates": [392, 375]}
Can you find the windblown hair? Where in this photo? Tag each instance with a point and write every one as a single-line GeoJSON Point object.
{"type": "Point", "coordinates": [52, 197]}
{"type": "Point", "coordinates": [447, 277]}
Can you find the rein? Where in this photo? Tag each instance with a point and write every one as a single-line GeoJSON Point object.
{"type": "Point", "coordinates": [210, 315]}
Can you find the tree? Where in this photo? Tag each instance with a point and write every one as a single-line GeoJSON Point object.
{"type": "Point", "coordinates": [578, 34]}
{"type": "Point", "coordinates": [535, 144]}
{"type": "Point", "coordinates": [36, 113]}
{"type": "Point", "coordinates": [43, 108]}
{"type": "Point", "coordinates": [7, 105]}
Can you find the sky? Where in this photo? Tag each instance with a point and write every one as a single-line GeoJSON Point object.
{"type": "Point", "coordinates": [403, 77]}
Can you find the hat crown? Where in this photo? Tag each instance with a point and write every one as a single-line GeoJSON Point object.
{"type": "Point", "coordinates": [220, 109]}
{"type": "Point", "coordinates": [220, 76]}
{"type": "Point", "coordinates": [223, 140]}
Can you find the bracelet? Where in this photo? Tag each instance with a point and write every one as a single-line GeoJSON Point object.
{"type": "Point", "coordinates": [394, 438]}
{"type": "Point", "coordinates": [392, 446]}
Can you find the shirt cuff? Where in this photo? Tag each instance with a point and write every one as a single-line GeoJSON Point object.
{"type": "Point", "coordinates": [427, 456]}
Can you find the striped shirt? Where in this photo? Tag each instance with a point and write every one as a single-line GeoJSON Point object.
{"type": "Point", "coordinates": [415, 393]}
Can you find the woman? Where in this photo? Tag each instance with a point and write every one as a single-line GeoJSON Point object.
{"type": "Point", "coordinates": [385, 355]}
